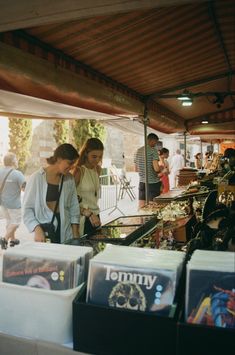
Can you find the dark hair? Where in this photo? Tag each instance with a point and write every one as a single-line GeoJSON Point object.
{"type": "Point", "coordinates": [88, 146]}
{"type": "Point", "coordinates": [63, 151]}
{"type": "Point", "coordinates": [164, 151]}
{"type": "Point", "coordinates": [197, 155]}
{"type": "Point", "coordinates": [152, 136]}
{"type": "Point", "coordinates": [229, 152]}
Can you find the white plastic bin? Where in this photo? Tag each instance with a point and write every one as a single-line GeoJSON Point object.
{"type": "Point", "coordinates": [37, 313]}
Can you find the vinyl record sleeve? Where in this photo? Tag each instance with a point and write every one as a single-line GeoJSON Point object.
{"type": "Point", "coordinates": [146, 290]}
{"type": "Point", "coordinates": [210, 298]}
{"type": "Point", "coordinates": [39, 272]}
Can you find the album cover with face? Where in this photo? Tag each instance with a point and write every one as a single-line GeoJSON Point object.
{"type": "Point", "coordinates": [210, 298]}
{"type": "Point", "coordinates": [50, 274]}
{"type": "Point", "coordinates": [118, 286]}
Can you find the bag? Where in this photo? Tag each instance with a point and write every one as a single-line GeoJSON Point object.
{"type": "Point", "coordinates": [3, 184]}
{"type": "Point", "coordinates": [49, 230]}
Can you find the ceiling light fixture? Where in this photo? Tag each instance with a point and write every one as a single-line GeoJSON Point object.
{"type": "Point", "coordinates": [185, 96]}
{"type": "Point", "coordinates": [205, 122]}
{"type": "Point", "coordinates": [188, 102]}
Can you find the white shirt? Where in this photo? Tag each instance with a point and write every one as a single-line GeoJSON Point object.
{"type": "Point", "coordinates": [177, 163]}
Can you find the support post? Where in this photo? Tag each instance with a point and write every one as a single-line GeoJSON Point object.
{"type": "Point", "coordinates": [145, 121]}
{"type": "Point", "coordinates": [185, 149]}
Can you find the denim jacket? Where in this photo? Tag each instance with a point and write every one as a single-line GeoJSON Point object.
{"type": "Point", "coordinates": [36, 211]}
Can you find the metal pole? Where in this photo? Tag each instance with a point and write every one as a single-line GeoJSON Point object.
{"type": "Point", "coordinates": [202, 158]}
{"type": "Point", "coordinates": [185, 149]}
{"type": "Point", "coordinates": [145, 120]}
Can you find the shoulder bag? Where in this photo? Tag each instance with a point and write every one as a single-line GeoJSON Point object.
{"type": "Point", "coordinates": [3, 184]}
{"type": "Point", "coordinates": [49, 228]}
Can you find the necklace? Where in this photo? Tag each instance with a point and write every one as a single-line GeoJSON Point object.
{"type": "Point", "coordinates": [94, 180]}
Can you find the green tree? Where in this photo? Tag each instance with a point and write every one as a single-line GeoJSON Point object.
{"type": "Point", "coordinates": [20, 135]}
{"type": "Point", "coordinates": [61, 131]}
{"type": "Point", "coordinates": [84, 129]}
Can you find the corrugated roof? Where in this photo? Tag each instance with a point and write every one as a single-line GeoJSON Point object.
{"type": "Point", "coordinates": [151, 53]}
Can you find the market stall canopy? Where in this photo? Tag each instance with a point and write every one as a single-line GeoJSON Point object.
{"type": "Point", "coordinates": [126, 58]}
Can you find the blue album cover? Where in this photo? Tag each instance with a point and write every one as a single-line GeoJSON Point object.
{"type": "Point", "coordinates": [210, 298]}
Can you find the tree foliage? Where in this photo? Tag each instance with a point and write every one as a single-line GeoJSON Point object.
{"type": "Point", "coordinates": [20, 135]}
{"type": "Point", "coordinates": [84, 129]}
{"type": "Point", "coordinates": [61, 131]}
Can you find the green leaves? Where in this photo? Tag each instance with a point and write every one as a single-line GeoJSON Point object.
{"type": "Point", "coordinates": [84, 129]}
{"type": "Point", "coordinates": [20, 134]}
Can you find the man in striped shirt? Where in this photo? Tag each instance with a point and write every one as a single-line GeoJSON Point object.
{"type": "Point", "coordinates": [154, 182]}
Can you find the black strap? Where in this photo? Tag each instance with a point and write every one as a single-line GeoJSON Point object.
{"type": "Point", "coordinates": [5, 179]}
{"type": "Point", "coordinates": [57, 202]}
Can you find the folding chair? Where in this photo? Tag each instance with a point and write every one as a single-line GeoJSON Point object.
{"type": "Point", "coordinates": [125, 184]}
{"type": "Point", "coordinates": [126, 187]}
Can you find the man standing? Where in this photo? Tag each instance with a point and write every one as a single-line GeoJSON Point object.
{"type": "Point", "coordinates": [154, 183]}
{"type": "Point", "coordinates": [177, 163]}
{"type": "Point", "coordinates": [12, 181]}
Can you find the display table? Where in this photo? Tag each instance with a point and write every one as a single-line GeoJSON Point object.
{"type": "Point", "coordinates": [12, 345]}
{"type": "Point", "coordinates": [179, 194]}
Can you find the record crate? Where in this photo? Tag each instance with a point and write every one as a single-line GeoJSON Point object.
{"type": "Point", "coordinates": [36, 313]}
{"type": "Point", "coordinates": [114, 331]}
{"type": "Point", "coordinates": [199, 339]}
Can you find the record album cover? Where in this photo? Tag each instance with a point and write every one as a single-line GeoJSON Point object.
{"type": "Point", "coordinates": [210, 298]}
{"type": "Point", "coordinates": [146, 290]}
{"type": "Point", "coordinates": [39, 272]}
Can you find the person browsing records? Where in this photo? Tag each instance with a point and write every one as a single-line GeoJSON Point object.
{"type": "Point", "coordinates": [86, 174]}
{"type": "Point", "coordinates": [51, 192]}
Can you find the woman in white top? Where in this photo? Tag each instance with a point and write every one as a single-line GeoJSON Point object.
{"type": "Point", "coordinates": [86, 174]}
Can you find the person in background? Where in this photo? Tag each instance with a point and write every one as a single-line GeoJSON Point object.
{"type": "Point", "coordinates": [12, 181]}
{"type": "Point", "coordinates": [86, 174]}
{"type": "Point", "coordinates": [207, 162]}
{"type": "Point", "coordinates": [43, 191]}
{"type": "Point", "coordinates": [176, 164]}
{"type": "Point", "coordinates": [154, 182]}
{"type": "Point", "coordinates": [164, 166]}
{"type": "Point", "coordinates": [198, 161]}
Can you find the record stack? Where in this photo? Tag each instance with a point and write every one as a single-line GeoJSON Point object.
{"type": "Point", "coordinates": [135, 279]}
{"type": "Point", "coordinates": [186, 175]}
{"type": "Point", "coordinates": [46, 265]}
{"type": "Point", "coordinates": [210, 289]}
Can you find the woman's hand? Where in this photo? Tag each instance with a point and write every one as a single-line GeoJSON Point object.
{"type": "Point", "coordinates": [39, 235]}
{"type": "Point", "coordinates": [94, 219]}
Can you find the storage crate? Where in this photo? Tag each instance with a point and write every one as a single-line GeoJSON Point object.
{"type": "Point", "coordinates": [37, 313]}
{"type": "Point", "coordinates": [107, 331]}
{"type": "Point", "coordinates": [198, 339]}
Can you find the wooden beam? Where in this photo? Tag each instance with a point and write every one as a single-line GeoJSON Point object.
{"type": "Point", "coordinates": [30, 75]}
{"type": "Point", "coordinates": [215, 128]}
{"type": "Point", "coordinates": [16, 14]}
{"type": "Point", "coordinates": [26, 74]}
